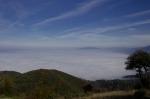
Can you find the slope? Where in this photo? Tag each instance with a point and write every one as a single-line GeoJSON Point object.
{"type": "Point", "coordinates": [49, 81]}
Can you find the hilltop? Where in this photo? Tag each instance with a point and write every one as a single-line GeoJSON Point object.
{"type": "Point", "coordinates": [10, 73]}
{"type": "Point", "coordinates": [46, 83]}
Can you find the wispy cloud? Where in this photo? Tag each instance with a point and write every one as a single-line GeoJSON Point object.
{"type": "Point", "coordinates": [81, 9]}
{"type": "Point", "coordinates": [146, 12]}
{"type": "Point", "coordinates": [8, 24]}
{"type": "Point", "coordinates": [96, 31]}
{"type": "Point", "coordinates": [142, 36]}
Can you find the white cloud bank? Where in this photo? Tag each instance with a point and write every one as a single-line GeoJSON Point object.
{"type": "Point", "coordinates": [89, 65]}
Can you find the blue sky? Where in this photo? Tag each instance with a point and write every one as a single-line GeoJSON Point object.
{"type": "Point", "coordinates": [74, 23]}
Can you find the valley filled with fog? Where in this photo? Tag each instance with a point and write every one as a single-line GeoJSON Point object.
{"type": "Point", "coordinates": [87, 64]}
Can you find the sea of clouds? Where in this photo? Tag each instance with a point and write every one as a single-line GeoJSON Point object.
{"type": "Point", "coordinates": [86, 64]}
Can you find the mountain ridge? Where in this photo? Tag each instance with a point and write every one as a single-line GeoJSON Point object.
{"type": "Point", "coordinates": [117, 49]}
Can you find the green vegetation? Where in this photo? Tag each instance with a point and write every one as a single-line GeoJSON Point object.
{"type": "Point", "coordinates": [6, 86]}
{"type": "Point", "coordinates": [10, 73]}
{"type": "Point", "coordinates": [110, 85]}
{"type": "Point", "coordinates": [53, 84]}
{"type": "Point", "coordinates": [139, 61]}
{"type": "Point", "coordinates": [42, 83]}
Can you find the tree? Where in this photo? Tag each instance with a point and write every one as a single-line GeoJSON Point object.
{"type": "Point", "coordinates": [87, 87]}
{"type": "Point", "coordinates": [139, 61]}
{"type": "Point", "coordinates": [41, 91]}
{"type": "Point", "coordinates": [6, 85]}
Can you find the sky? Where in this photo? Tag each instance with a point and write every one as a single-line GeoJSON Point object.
{"type": "Point", "coordinates": [48, 34]}
{"type": "Point", "coordinates": [74, 23]}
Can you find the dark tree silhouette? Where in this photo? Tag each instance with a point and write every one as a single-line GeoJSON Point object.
{"type": "Point", "coordinates": [138, 61]}
{"type": "Point", "coordinates": [87, 87]}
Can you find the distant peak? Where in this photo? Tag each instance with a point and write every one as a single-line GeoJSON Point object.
{"type": "Point", "coordinates": [89, 48]}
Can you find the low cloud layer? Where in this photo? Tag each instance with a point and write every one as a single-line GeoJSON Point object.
{"type": "Point", "coordinates": [87, 64]}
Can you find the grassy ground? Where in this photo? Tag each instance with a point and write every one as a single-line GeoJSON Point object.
{"type": "Point", "coordinates": [117, 95]}
{"type": "Point", "coordinates": [107, 95]}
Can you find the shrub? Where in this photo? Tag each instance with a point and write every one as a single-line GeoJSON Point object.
{"type": "Point", "coordinates": [87, 87]}
{"type": "Point", "coordinates": [140, 94]}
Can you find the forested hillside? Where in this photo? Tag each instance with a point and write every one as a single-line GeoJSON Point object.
{"type": "Point", "coordinates": [42, 83]}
